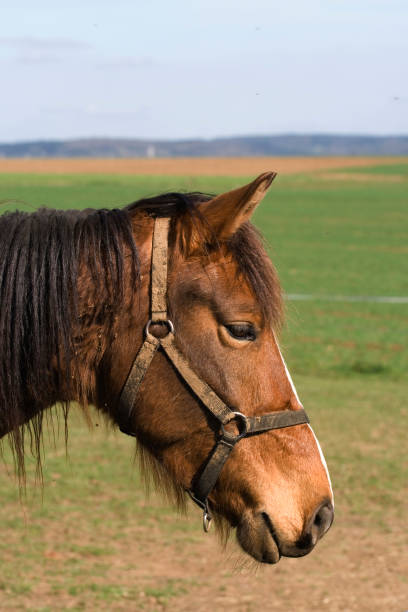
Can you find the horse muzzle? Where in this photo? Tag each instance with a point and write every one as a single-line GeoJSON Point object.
{"type": "Point", "coordinates": [258, 536]}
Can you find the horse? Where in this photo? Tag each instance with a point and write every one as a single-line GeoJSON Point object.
{"type": "Point", "coordinates": [164, 315]}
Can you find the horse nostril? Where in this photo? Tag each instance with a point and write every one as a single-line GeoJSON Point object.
{"type": "Point", "coordinates": [322, 521]}
{"type": "Point", "coordinates": [316, 527]}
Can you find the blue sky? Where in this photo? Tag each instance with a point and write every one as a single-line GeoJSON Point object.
{"type": "Point", "coordinates": [160, 69]}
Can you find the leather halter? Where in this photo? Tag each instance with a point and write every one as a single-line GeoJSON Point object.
{"type": "Point", "coordinates": [204, 482]}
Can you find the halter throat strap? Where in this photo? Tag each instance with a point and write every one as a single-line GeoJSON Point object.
{"type": "Point", "coordinates": [241, 425]}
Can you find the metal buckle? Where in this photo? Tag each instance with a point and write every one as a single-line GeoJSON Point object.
{"type": "Point", "coordinates": [166, 322]}
{"type": "Point", "coordinates": [242, 422]}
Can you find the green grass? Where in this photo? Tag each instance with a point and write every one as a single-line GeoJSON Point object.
{"type": "Point", "coordinates": [400, 169]}
{"type": "Point", "coordinates": [79, 538]}
{"type": "Point", "coordinates": [87, 191]}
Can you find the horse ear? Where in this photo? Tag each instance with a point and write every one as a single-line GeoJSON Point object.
{"type": "Point", "coordinates": [227, 212]}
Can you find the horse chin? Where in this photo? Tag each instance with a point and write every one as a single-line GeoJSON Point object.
{"type": "Point", "coordinates": [256, 537]}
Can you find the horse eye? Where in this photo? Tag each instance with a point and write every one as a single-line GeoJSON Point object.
{"type": "Point", "coordinates": [241, 331]}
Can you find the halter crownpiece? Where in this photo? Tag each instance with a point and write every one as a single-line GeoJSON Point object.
{"type": "Point", "coordinates": [203, 483]}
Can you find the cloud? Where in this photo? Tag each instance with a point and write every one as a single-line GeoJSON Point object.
{"type": "Point", "coordinates": [92, 109]}
{"type": "Point", "coordinates": [32, 43]}
{"type": "Point", "coordinates": [37, 50]}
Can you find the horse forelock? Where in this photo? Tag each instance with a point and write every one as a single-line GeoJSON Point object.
{"type": "Point", "coordinates": [246, 247]}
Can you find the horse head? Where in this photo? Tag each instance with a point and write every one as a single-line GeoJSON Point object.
{"type": "Point", "coordinates": [224, 303]}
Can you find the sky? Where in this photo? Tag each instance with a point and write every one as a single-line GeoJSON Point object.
{"type": "Point", "coordinates": [202, 68]}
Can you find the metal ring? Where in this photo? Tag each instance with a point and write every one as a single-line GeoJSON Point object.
{"type": "Point", "coordinates": [207, 518]}
{"type": "Point", "coordinates": [167, 322]}
{"type": "Point", "coordinates": [243, 420]}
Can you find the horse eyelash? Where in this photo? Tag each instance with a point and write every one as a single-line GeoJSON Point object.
{"type": "Point", "coordinates": [248, 327]}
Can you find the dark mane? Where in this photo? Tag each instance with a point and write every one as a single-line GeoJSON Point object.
{"type": "Point", "coordinates": [43, 256]}
{"type": "Point", "coordinates": [40, 258]}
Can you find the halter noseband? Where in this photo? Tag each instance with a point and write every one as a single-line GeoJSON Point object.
{"type": "Point", "coordinates": [204, 483]}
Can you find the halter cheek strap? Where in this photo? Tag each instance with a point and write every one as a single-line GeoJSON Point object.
{"type": "Point", "coordinates": [204, 482]}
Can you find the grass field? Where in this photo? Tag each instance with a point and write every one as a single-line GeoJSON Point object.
{"type": "Point", "coordinates": [93, 541]}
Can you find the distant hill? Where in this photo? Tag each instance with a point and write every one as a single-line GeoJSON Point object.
{"type": "Point", "coordinates": [239, 146]}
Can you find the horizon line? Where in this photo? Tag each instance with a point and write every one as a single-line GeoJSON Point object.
{"type": "Point", "coordinates": [207, 139]}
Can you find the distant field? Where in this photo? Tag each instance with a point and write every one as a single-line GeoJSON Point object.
{"type": "Point", "coordinates": [96, 543]}
{"type": "Point", "coordinates": [191, 166]}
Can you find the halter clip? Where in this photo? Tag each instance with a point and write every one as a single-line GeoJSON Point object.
{"type": "Point", "coordinates": [207, 518]}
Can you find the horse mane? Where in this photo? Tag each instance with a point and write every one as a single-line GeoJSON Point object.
{"type": "Point", "coordinates": [46, 259]}
{"type": "Point", "coordinates": [41, 255]}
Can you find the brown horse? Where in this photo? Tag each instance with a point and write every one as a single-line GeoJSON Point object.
{"type": "Point", "coordinates": [77, 289]}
